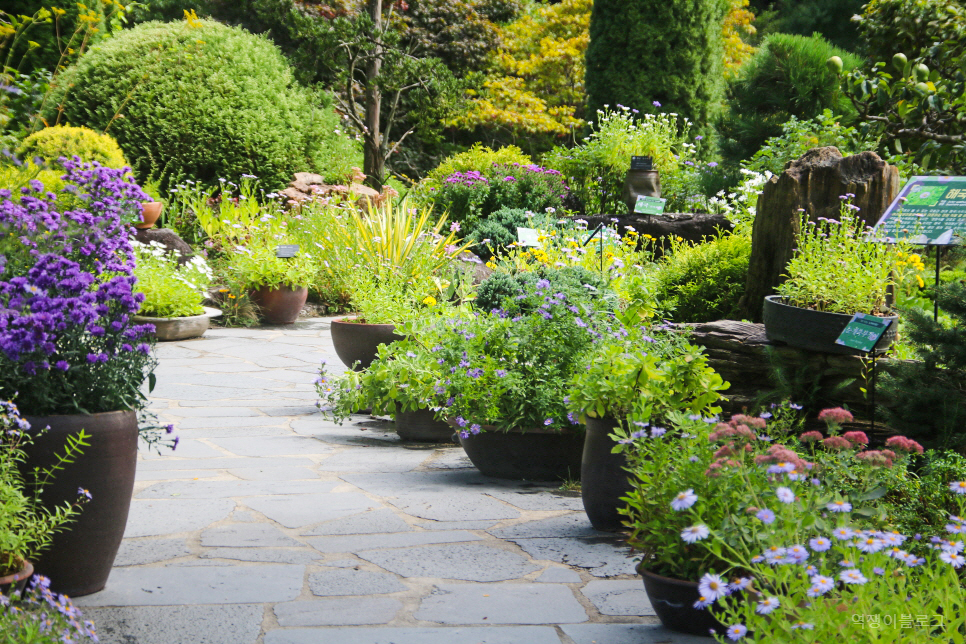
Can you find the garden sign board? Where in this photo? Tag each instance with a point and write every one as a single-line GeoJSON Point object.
{"type": "Point", "coordinates": [863, 331]}
{"type": "Point", "coordinates": [528, 237]}
{"type": "Point", "coordinates": [928, 210]}
{"type": "Point", "coordinates": [649, 205]}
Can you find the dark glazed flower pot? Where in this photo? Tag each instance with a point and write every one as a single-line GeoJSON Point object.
{"type": "Point", "coordinates": [534, 455]}
{"type": "Point", "coordinates": [280, 305]}
{"type": "Point", "coordinates": [673, 601]}
{"type": "Point", "coordinates": [603, 480]}
{"type": "Point", "coordinates": [79, 560]}
{"type": "Point", "coordinates": [16, 581]}
{"type": "Point", "coordinates": [814, 330]}
{"type": "Point", "coordinates": [421, 426]}
{"type": "Point", "coordinates": [358, 342]}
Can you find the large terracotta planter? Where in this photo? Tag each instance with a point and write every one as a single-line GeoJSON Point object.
{"type": "Point", "coordinates": [533, 455]}
{"type": "Point", "coordinates": [421, 426]}
{"type": "Point", "coordinates": [356, 342]}
{"type": "Point", "coordinates": [150, 211]}
{"type": "Point", "coordinates": [79, 560]}
{"type": "Point", "coordinates": [814, 330]}
{"type": "Point", "coordinates": [603, 479]}
{"type": "Point", "coordinates": [169, 329]}
{"type": "Point", "coordinates": [673, 601]}
{"type": "Point", "coordinates": [280, 305]}
{"type": "Point", "coordinates": [16, 581]}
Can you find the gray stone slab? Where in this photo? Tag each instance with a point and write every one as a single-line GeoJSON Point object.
{"type": "Point", "coordinates": [469, 483]}
{"type": "Point", "coordinates": [221, 463]}
{"type": "Point", "coordinates": [450, 459]}
{"type": "Point", "coordinates": [272, 446]}
{"type": "Point", "coordinates": [408, 635]}
{"type": "Point", "coordinates": [375, 522]}
{"type": "Point", "coordinates": [274, 473]}
{"type": "Point", "coordinates": [246, 535]}
{"type": "Point", "coordinates": [174, 351]}
{"type": "Point", "coordinates": [299, 556]}
{"type": "Point", "coordinates": [464, 561]}
{"type": "Point", "coordinates": [567, 525]}
{"type": "Point", "coordinates": [246, 398]}
{"type": "Point", "coordinates": [457, 525]}
{"type": "Point", "coordinates": [539, 500]}
{"type": "Point", "coordinates": [305, 408]}
{"type": "Point", "coordinates": [234, 432]}
{"type": "Point", "coordinates": [627, 634]}
{"type": "Point", "coordinates": [229, 366]}
{"type": "Point", "coordinates": [601, 558]}
{"type": "Point", "coordinates": [344, 563]}
{"type": "Point", "coordinates": [227, 624]}
{"type": "Point", "coordinates": [453, 507]}
{"type": "Point", "coordinates": [501, 604]}
{"type": "Point", "coordinates": [187, 448]}
{"type": "Point", "coordinates": [154, 517]}
{"type": "Point", "coordinates": [136, 552]}
{"type": "Point", "coordinates": [337, 612]}
{"type": "Point", "coordinates": [555, 575]}
{"type": "Point", "coordinates": [211, 412]}
{"type": "Point", "coordinates": [358, 543]}
{"type": "Point", "coordinates": [176, 585]}
{"type": "Point", "coordinates": [374, 459]}
{"type": "Point", "coordinates": [185, 376]}
{"type": "Point", "coordinates": [217, 420]}
{"type": "Point", "coordinates": [349, 581]}
{"type": "Point", "coordinates": [230, 489]}
{"type": "Point", "coordinates": [204, 395]}
{"type": "Point", "coordinates": [167, 475]}
{"type": "Point", "coordinates": [619, 597]}
{"type": "Point", "coordinates": [295, 511]}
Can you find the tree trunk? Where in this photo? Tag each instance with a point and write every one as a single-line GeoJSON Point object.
{"type": "Point", "coordinates": [374, 161]}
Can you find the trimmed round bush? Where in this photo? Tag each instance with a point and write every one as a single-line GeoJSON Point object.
{"type": "Point", "coordinates": [575, 282]}
{"type": "Point", "coordinates": [51, 143]}
{"type": "Point", "coordinates": [199, 100]}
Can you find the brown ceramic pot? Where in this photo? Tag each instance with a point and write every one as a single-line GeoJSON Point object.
{"type": "Point", "coordinates": [357, 342]}
{"type": "Point", "coordinates": [150, 211]}
{"type": "Point", "coordinates": [603, 479]}
{"type": "Point", "coordinates": [532, 455]}
{"type": "Point", "coordinates": [421, 426]}
{"type": "Point", "coordinates": [16, 581]}
{"type": "Point", "coordinates": [673, 601]}
{"type": "Point", "coordinates": [79, 559]}
{"type": "Point", "coordinates": [280, 305]}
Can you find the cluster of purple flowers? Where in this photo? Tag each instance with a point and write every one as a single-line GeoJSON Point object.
{"type": "Point", "coordinates": [40, 610]}
{"type": "Point", "coordinates": [66, 290]}
{"type": "Point", "coordinates": [468, 178]}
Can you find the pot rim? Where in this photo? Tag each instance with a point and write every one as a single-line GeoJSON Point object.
{"type": "Point", "coordinates": [641, 570]}
{"type": "Point", "coordinates": [349, 321]}
{"type": "Point", "coordinates": [493, 429]}
{"type": "Point", "coordinates": [25, 572]}
{"type": "Point", "coordinates": [780, 301]}
{"type": "Point", "coordinates": [94, 415]}
{"type": "Point", "coordinates": [210, 312]}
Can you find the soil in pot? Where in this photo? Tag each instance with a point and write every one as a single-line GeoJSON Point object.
{"type": "Point", "coordinates": [16, 581]}
{"type": "Point", "coordinates": [280, 305]}
{"type": "Point", "coordinates": [79, 559]}
{"type": "Point", "coordinates": [603, 479]}
{"type": "Point", "coordinates": [673, 601]}
{"type": "Point", "coordinates": [534, 455]}
{"type": "Point", "coordinates": [814, 330]}
{"type": "Point", "coordinates": [359, 342]}
{"type": "Point", "coordinates": [421, 426]}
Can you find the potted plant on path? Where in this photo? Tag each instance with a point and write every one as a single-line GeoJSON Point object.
{"type": "Point", "coordinates": [277, 285]}
{"type": "Point", "coordinates": [71, 356]}
{"type": "Point", "coordinates": [837, 270]}
{"type": "Point", "coordinates": [173, 292]}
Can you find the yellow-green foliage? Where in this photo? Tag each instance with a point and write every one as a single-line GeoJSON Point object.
{"type": "Point", "coordinates": [480, 158]}
{"type": "Point", "coordinates": [13, 178]}
{"type": "Point", "coordinates": [64, 141]}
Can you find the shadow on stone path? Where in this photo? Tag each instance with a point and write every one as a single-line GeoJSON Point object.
{"type": "Point", "coordinates": [270, 525]}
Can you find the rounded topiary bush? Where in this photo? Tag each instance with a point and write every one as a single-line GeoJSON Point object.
{"type": "Point", "coordinates": [199, 100]}
{"type": "Point", "coordinates": [51, 143]}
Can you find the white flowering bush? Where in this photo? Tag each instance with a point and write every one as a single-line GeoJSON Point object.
{"type": "Point", "coordinates": [170, 290]}
{"type": "Point", "coordinates": [740, 206]}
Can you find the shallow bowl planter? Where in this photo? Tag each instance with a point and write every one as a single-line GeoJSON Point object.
{"type": "Point", "coordinates": [421, 426]}
{"type": "Point", "coordinates": [79, 559]}
{"type": "Point", "coordinates": [280, 305]}
{"type": "Point", "coordinates": [603, 479]}
{"type": "Point", "coordinates": [168, 329]}
{"type": "Point", "coordinates": [16, 581]}
{"type": "Point", "coordinates": [814, 330]}
{"type": "Point", "coordinates": [359, 342]}
{"type": "Point", "coordinates": [673, 601]}
{"type": "Point", "coordinates": [534, 455]}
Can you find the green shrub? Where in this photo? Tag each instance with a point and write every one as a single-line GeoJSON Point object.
{"type": "Point", "coordinates": [198, 100]}
{"type": "Point", "coordinates": [63, 141]}
{"type": "Point", "coordinates": [787, 77]}
{"type": "Point", "coordinates": [913, 27]}
{"type": "Point", "coordinates": [703, 282]}
{"type": "Point", "coordinates": [495, 233]}
{"type": "Point", "coordinates": [924, 505]}
{"type": "Point", "coordinates": [668, 51]}
{"type": "Point", "coordinates": [830, 18]}
{"type": "Point", "coordinates": [479, 157]}
{"type": "Point", "coordinates": [576, 283]}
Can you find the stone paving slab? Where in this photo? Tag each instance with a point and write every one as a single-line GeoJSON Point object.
{"type": "Point", "coordinates": [357, 611]}
{"type": "Point", "coordinates": [233, 489]}
{"type": "Point", "coordinates": [627, 634]}
{"type": "Point", "coordinates": [619, 597]}
{"type": "Point", "coordinates": [349, 581]}
{"type": "Point", "coordinates": [373, 522]}
{"type": "Point", "coordinates": [137, 552]}
{"type": "Point", "coordinates": [361, 542]}
{"type": "Point", "coordinates": [299, 556]}
{"type": "Point", "coordinates": [246, 535]}
{"type": "Point", "coordinates": [176, 463]}
{"type": "Point", "coordinates": [477, 635]}
{"type": "Point", "coordinates": [468, 562]}
{"type": "Point", "coordinates": [210, 624]}
{"type": "Point", "coordinates": [159, 517]}
{"type": "Point", "coordinates": [274, 473]}
{"type": "Point", "coordinates": [501, 604]}
{"type": "Point", "coordinates": [192, 585]}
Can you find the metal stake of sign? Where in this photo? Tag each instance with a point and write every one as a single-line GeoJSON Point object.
{"type": "Point", "coordinates": [935, 313]}
{"type": "Point", "coordinates": [599, 229]}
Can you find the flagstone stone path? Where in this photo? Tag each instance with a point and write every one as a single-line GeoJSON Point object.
{"type": "Point", "coordinates": [271, 525]}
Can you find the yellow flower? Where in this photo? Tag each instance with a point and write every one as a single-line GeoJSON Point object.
{"type": "Point", "coordinates": [429, 301]}
{"type": "Point", "coordinates": [921, 283]}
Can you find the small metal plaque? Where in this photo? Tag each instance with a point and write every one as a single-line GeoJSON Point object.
{"type": "Point", "coordinates": [642, 163]}
{"type": "Point", "coordinates": [284, 251]}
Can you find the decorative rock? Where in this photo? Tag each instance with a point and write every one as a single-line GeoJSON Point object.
{"type": "Point", "coordinates": [813, 183]}
{"type": "Point", "coordinates": [167, 238]}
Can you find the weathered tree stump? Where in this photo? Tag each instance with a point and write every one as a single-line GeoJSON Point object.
{"type": "Point", "coordinates": [814, 183]}
{"type": "Point", "coordinates": [691, 226]}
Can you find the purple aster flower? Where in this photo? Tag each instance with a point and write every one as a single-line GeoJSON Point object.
{"type": "Point", "coordinates": [765, 516]}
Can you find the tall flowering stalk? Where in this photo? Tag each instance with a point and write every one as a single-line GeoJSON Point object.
{"type": "Point", "coordinates": [67, 342]}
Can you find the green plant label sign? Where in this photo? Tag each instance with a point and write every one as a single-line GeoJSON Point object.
{"type": "Point", "coordinates": [928, 210]}
{"type": "Point", "coordinates": [284, 251]}
{"type": "Point", "coordinates": [649, 205]}
{"type": "Point", "coordinates": [863, 331]}
{"type": "Point", "coordinates": [528, 237]}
